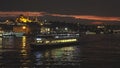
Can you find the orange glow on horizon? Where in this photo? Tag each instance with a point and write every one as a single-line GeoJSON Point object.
{"type": "Point", "coordinates": [22, 13]}
{"type": "Point", "coordinates": [82, 17]}
{"type": "Point", "coordinates": [98, 18]}
{"type": "Point", "coordinates": [89, 17]}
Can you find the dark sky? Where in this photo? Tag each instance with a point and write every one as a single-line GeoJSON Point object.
{"type": "Point", "coordinates": [81, 7]}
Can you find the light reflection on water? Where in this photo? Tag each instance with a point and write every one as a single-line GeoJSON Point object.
{"type": "Point", "coordinates": [60, 56]}
{"type": "Point", "coordinates": [8, 42]}
{"type": "Point", "coordinates": [0, 42]}
{"type": "Point", "coordinates": [16, 53]}
{"type": "Point", "coordinates": [23, 42]}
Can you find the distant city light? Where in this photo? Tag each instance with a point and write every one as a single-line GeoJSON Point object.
{"type": "Point", "coordinates": [66, 28]}
{"type": "Point", "coordinates": [24, 27]}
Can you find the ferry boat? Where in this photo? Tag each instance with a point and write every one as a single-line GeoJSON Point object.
{"type": "Point", "coordinates": [51, 41]}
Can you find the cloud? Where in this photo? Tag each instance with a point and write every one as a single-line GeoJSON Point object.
{"type": "Point", "coordinates": [89, 17]}
{"type": "Point", "coordinates": [5, 14]}
{"type": "Point", "coordinates": [97, 18]}
{"type": "Point", "coordinates": [81, 17]}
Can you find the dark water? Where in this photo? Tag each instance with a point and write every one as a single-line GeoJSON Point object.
{"type": "Point", "coordinates": [93, 52]}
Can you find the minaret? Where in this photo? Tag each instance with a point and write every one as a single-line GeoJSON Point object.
{"type": "Point", "coordinates": [36, 19]}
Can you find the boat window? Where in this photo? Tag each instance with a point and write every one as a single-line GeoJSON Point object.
{"type": "Point", "coordinates": [45, 37]}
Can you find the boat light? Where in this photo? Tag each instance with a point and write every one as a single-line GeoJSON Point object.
{"type": "Point", "coordinates": [38, 38]}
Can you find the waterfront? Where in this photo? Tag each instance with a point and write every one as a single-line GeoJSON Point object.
{"type": "Point", "coordinates": [94, 51]}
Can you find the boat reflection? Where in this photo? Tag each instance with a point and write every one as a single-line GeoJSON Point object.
{"type": "Point", "coordinates": [60, 56]}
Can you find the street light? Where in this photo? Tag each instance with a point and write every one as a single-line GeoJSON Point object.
{"type": "Point", "coordinates": [24, 27]}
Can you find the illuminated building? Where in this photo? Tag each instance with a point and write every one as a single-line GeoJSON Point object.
{"type": "Point", "coordinates": [23, 19]}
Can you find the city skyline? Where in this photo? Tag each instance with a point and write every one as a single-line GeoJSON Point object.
{"type": "Point", "coordinates": [71, 9]}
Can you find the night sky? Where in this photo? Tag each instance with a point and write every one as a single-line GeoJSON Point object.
{"type": "Point", "coordinates": [90, 8]}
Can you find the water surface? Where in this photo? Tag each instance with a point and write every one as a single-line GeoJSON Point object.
{"type": "Point", "coordinates": [97, 52]}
